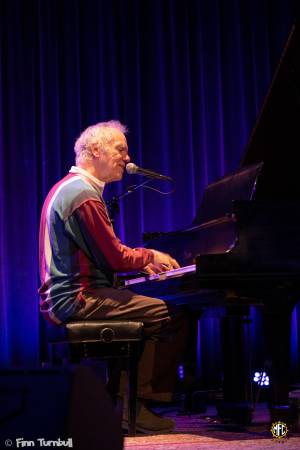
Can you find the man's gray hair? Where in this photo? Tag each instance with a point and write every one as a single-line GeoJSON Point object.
{"type": "Point", "coordinates": [101, 133]}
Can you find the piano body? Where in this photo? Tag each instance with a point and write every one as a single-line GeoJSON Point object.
{"type": "Point", "coordinates": [245, 241]}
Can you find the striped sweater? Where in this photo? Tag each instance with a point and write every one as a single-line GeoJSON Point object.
{"type": "Point", "coordinates": [78, 249]}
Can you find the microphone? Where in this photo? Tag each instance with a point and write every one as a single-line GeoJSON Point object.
{"type": "Point", "coordinates": [132, 169]}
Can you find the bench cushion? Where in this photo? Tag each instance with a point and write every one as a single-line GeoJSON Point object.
{"type": "Point", "coordinates": [101, 331]}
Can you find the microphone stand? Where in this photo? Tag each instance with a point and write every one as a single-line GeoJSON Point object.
{"type": "Point", "coordinates": [113, 205]}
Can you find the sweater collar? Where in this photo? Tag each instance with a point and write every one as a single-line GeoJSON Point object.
{"type": "Point", "coordinates": [98, 184]}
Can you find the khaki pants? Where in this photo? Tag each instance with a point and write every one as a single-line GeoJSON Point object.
{"type": "Point", "coordinates": [165, 329]}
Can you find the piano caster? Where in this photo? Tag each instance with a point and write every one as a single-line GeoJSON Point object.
{"type": "Point", "coordinates": [235, 413]}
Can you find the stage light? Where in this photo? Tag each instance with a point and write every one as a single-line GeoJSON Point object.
{"type": "Point", "coordinates": [261, 378]}
{"type": "Point", "coordinates": [181, 372]}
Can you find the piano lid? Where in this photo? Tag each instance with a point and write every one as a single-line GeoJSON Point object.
{"type": "Point", "coordinates": [275, 139]}
{"type": "Point", "coordinates": [218, 196]}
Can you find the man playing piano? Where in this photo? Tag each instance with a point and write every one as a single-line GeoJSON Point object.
{"type": "Point", "coordinates": [79, 254]}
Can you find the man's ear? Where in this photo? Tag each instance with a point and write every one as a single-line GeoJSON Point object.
{"type": "Point", "coordinates": [95, 151]}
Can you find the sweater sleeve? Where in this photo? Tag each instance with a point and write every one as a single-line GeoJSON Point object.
{"type": "Point", "coordinates": [98, 232]}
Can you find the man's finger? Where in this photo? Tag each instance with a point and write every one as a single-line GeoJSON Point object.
{"type": "Point", "coordinates": [175, 263]}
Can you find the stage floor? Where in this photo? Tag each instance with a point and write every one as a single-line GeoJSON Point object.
{"type": "Point", "coordinates": [204, 431]}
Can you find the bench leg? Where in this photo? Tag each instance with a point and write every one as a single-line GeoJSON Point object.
{"type": "Point", "coordinates": [132, 386]}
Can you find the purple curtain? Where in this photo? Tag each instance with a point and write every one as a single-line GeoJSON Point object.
{"type": "Point", "coordinates": [187, 77]}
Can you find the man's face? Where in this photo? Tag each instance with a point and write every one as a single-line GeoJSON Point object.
{"type": "Point", "coordinates": [112, 159]}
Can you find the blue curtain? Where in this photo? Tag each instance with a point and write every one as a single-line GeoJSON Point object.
{"type": "Point", "coordinates": [187, 77]}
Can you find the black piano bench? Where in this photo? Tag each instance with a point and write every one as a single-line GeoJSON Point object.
{"type": "Point", "coordinates": [118, 342]}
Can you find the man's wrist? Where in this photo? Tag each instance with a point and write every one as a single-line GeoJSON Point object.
{"type": "Point", "coordinates": [156, 256]}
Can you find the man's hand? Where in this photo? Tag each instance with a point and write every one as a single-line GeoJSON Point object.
{"type": "Point", "coordinates": [161, 263]}
{"type": "Point", "coordinates": [151, 269]}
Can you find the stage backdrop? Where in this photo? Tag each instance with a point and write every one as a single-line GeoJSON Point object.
{"type": "Point", "coordinates": [188, 79]}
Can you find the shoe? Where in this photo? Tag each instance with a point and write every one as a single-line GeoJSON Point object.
{"type": "Point", "coordinates": [148, 422]}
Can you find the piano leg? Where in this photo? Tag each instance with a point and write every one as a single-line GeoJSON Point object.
{"type": "Point", "coordinates": [236, 405]}
{"type": "Point", "coordinates": [277, 330]}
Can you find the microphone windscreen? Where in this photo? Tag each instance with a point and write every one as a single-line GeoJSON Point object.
{"type": "Point", "coordinates": [131, 168]}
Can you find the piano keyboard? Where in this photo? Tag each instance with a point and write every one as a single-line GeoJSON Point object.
{"type": "Point", "coordinates": [174, 273]}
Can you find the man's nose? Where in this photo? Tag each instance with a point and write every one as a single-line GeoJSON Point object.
{"type": "Point", "coordinates": [127, 158]}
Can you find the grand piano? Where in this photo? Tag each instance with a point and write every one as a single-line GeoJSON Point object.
{"type": "Point", "coordinates": [243, 247]}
